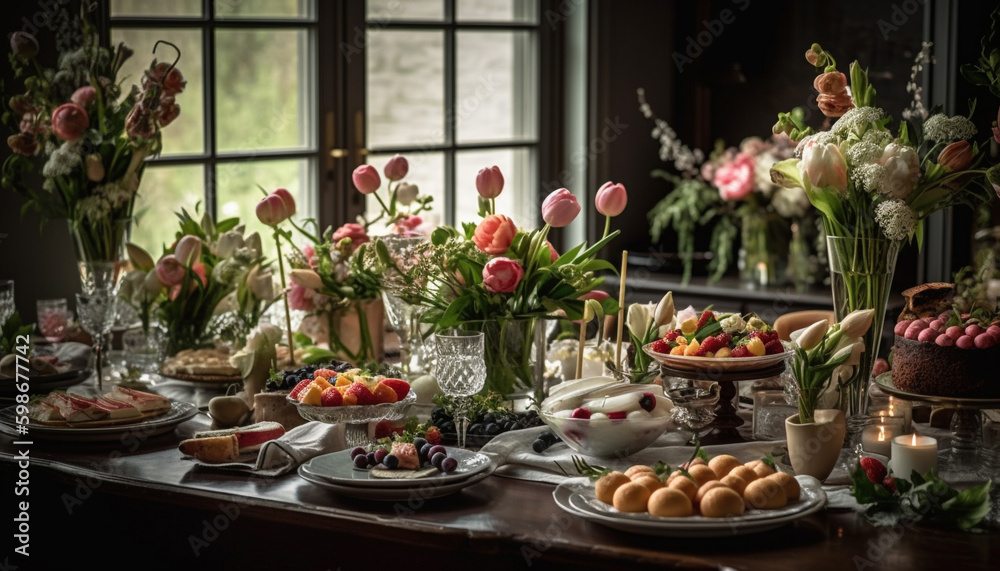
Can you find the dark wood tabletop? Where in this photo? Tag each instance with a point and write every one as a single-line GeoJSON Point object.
{"type": "Point", "coordinates": [136, 504]}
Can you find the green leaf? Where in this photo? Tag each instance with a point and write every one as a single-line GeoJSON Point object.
{"type": "Point", "coordinates": [969, 507]}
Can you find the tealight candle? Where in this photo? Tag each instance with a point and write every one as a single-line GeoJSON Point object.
{"type": "Point", "coordinates": [877, 438]}
{"type": "Point", "coordinates": [912, 452]}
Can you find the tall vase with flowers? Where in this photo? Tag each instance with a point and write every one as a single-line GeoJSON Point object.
{"type": "Point", "coordinates": [873, 187]}
{"type": "Point", "coordinates": [494, 277]}
{"type": "Point", "coordinates": [73, 127]}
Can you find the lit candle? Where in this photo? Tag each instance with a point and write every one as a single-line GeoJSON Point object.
{"type": "Point", "coordinates": [912, 452]}
{"type": "Point", "coordinates": [877, 440]}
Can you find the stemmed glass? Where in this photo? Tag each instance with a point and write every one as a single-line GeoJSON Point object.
{"type": "Point", "coordinates": [97, 314]}
{"type": "Point", "coordinates": [460, 371]}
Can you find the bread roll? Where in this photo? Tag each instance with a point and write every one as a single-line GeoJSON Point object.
{"type": "Point", "coordinates": [213, 449]}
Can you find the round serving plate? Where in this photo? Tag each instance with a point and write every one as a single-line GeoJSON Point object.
{"type": "Point", "coordinates": [884, 382]}
{"type": "Point", "coordinates": [355, 414]}
{"type": "Point", "coordinates": [423, 488]}
{"type": "Point", "coordinates": [577, 498]}
{"type": "Point", "coordinates": [178, 413]}
{"type": "Point", "coordinates": [338, 468]}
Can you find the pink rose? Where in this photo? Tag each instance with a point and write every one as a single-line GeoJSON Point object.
{"type": "Point", "coordinates": [501, 275]}
{"type": "Point", "coordinates": [69, 121]}
{"type": "Point", "coordinates": [84, 96]}
{"type": "Point", "coordinates": [169, 270]}
{"type": "Point", "coordinates": [366, 179]}
{"type": "Point", "coordinates": [276, 207]}
{"type": "Point", "coordinates": [735, 179]}
{"type": "Point", "coordinates": [611, 199]}
{"type": "Point", "coordinates": [834, 104]}
{"type": "Point", "coordinates": [560, 208]}
{"type": "Point", "coordinates": [310, 255]}
{"type": "Point", "coordinates": [494, 234]}
{"type": "Point", "coordinates": [169, 110]}
{"type": "Point", "coordinates": [300, 298]}
{"type": "Point", "coordinates": [489, 182]}
{"type": "Point", "coordinates": [396, 168]}
{"type": "Point", "coordinates": [355, 232]}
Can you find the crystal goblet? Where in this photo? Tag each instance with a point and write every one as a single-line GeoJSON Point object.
{"type": "Point", "coordinates": [460, 371]}
{"type": "Point", "coordinates": [97, 314]}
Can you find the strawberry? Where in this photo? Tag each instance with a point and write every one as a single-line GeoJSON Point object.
{"type": "Point", "coordinates": [433, 435]}
{"type": "Point", "coordinates": [326, 374]}
{"type": "Point", "coordinates": [384, 429]}
{"type": "Point", "coordinates": [661, 346]}
{"type": "Point", "coordinates": [618, 415]}
{"type": "Point", "coordinates": [671, 335]}
{"type": "Point", "coordinates": [706, 316]}
{"type": "Point", "coordinates": [709, 344]}
{"type": "Point", "coordinates": [873, 469]}
{"type": "Point", "coordinates": [331, 397]}
{"type": "Point", "coordinates": [361, 392]}
{"type": "Point", "coordinates": [724, 339]}
{"type": "Point", "coordinates": [401, 387]}
{"type": "Point", "coordinates": [740, 351]}
{"type": "Point", "coordinates": [580, 413]}
{"type": "Point", "coordinates": [889, 483]}
{"type": "Point", "coordinates": [773, 347]}
{"type": "Point", "coordinates": [299, 388]}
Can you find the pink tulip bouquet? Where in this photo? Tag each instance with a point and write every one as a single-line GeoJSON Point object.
{"type": "Point", "coordinates": [72, 126]}
{"type": "Point", "coordinates": [211, 283]}
{"type": "Point", "coordinates": [493, 274]}
{"type": "Point", "coordinates": [731, 192]}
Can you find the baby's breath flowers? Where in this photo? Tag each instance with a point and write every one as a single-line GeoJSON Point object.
{"type": "Point", "coordinates": [943, 129]}
{"type": "Point", "coordinates": [895, 219]}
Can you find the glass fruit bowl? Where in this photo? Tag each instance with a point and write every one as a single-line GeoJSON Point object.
{"type": "Point", "coordinates": [355, 414]}
{"type": "Point", "coordinates": [610, 438]}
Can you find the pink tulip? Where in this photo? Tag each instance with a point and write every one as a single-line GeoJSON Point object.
{"type": "Point", "coordinates": [553, 254]}
{"type": "Point", "coordinates": [366, 179]}
{"type": "Point", "coordinates": [735, 178]}
{"type": "Point", "coordinates": [489, 182]}
{"type": "Point", "coordinates": [199, 270]}
{"type": "Point", "coordinates": [276, 207]}
{"type": "Point", "coordinates": [300, 298]}
{"type": "Point", "coordinates": [501, 275]}
{"type": "Point", "coordinates": [188, 250]}
{"type": "Point", "coordinates": [560, 208]}
{"type": "Point", "coordinates": [611, 199]}
{"type": "Point", "coordinates": [169, 270]}
{"type": "Point", "coordinates": [495, 234]}
{"type": "Point", "coordinates": [355, 232]}
{"type": "Point", "coordinates": [395, 169]}
{"type": "Point", "coordinates": [24, 45]}
{"type": "Point", "coordinates": [824, 166]}
{"type": "Point", "coordinates": [69, 121]}
{"type": "Point", "coordinates": [84, 96]}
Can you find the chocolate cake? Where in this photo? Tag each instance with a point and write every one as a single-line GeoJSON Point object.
{"type": "Point", "coordinates": [932, 358]}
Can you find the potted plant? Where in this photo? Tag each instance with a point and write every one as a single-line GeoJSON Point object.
{"type": "Point", "coordinates": [824, 360]}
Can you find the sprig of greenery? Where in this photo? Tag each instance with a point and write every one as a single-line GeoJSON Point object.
{"type": "Point", "coordinates": [11, 330]}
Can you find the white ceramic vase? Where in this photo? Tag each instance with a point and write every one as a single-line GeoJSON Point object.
{"type": "Point", "coordinates": [815, 447]}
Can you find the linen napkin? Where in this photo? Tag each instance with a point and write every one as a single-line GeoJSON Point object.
{"type": "Point", "coordinates": [283, 455]}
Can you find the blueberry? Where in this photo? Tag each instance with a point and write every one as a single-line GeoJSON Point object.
{"type": "Point", "coordinates": [419, 442]}
{"type": "Point", "coordinates": [371, 459]}
{"type": "Point", "coordinates": [435, 450]}
{"type": "Point", "coordinates": [492, 429]}
{"type": "Point", "coordinates": [424, 452]}
{"type": "Point", "coordinates": [509, 426]}
{"type": "Point", "coordinates": [390, 461]}
{"type": "Point", "coordinates": [449, 465]}
{"type": "Point", "coordinates": [437, 459]}
{"type": "Point", "coordinates": [476, 428]}
{"type": "Point", "coordinates": [489, 418]}
{"type": "Point", "coordinates": [539, 445]}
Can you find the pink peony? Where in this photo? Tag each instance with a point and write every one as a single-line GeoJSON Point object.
{"type": "Point", "coordinates": [831, 82]}
{"type": "Point", "coordinates": [489, 182]}
{"type": "Point", "coordinates": [735, 179]}
{"type": "Point", "coordinates": [494, 234]}
{"type": "Point", "coordinates": [501, 275]}
{"type": "Point", "coordinates": [355, 232]}
{"type": "Point", "coordinates": [69, 121]}
{"type": "Point", "coordinates": [560, 208]}
{"type": "Point", "coordinates": [84, 96]}
{"type": "Point", "coordinates": [169, 270]}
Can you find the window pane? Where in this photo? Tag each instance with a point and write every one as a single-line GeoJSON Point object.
{"type": "Point", "coordinates": [385, 10]}
{"type": "Point", "coordinates": [163, 191]}
{"type": "Point", "coordinates": [405, 87]}
{"type": "Point", "coordinates": [520, 197]}
{"type": "Point", "coordinates": [496, 88]}
{"type": "Point", "coordinates": [263, 88]}
{"type": "Point", "coordinates": [186, 135]}
{"type": "Point", "coordinates": [524, 11]}
{"type": "Point", "coordinates": [238, 192]}
{"type": "Point", "coordinates": [426, 171]}
{"type": "Point", "coordinates": [174, 8]}
{"type": "Point", "coordinates": [277, 9]}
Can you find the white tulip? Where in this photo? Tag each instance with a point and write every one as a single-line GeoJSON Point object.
{"type": "Point", "coordinates": [228, 243]}
{"type": "Point", "coordinates": [638, 320]}
{"type": "Point", "coordinates": [406, 193]}
{"type": "Point", "coordinates": [809, 337]}
{"type": "Point", "coordinates": [857, 322]}
{"type": "Point", "coordinates": [664, 312]}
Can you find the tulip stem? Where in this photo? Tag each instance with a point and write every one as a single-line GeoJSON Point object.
{"type": "Point", "coordinates": [607, 226]}
{"type": "Point", "coordinates": [384, 207]}
{"type": "Point", "coordinates": [288, 313]}
{"type": "Point", "coordinates": [493, 206]}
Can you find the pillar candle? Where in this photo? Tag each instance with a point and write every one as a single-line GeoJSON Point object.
{"type": "Point", "coordinates": [912, 452]}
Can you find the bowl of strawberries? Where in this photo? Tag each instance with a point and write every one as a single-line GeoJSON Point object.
{"type": "Point", "coordinates": [724, 342]}
{"type": "Point", "coordinates": [352, 396]}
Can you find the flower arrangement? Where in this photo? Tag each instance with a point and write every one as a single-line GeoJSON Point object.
{"type": "Point", "coordinates": [496, 277]}
{"type": "Point", "coordinates": [646, 323]}
{"type": "Point", "coordinates": [874, 186]}
{"type": "Point", "coordinates": [213, 282]}
{"type": "Point", "coordinates": [88, 143]}
{"type": "Point", "coordinates": [730, 191]}
{"type": "Point", "coordinates": [405, 202]}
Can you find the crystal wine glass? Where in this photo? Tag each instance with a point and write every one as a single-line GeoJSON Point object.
{"type": "Point", "coordinates": [460, 371]}
{"type": "Point", "coordinates": [97, 314]}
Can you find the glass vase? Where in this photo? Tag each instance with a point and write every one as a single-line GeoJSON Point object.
{"type": "Point", "coordinates": [764, 249]}
{"type": "Point", "coordinates": [515, 356]}
{"type": "Point", "coordinates": [861, 271]}
{"type": "Point", "coordinates": [101, 241]}
{"type": "Point", "coordinates": [415, 356]}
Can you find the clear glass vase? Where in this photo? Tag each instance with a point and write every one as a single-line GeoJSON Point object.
{"type": "Point", "coordinates": [416, 355]}
{"type": "Point", "coordinates": [763, 255]}
{"type": "Point", "coordinates": [101, 241]}
{"type": "Point", "coordinates": [515, 356]}
{"type": "Point", "coordinates": [861, 271]}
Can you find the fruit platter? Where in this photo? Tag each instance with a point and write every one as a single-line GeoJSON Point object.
{"type": "Point", "coordinates": [720, 342]}
{"type": "Point", "coordinates": [352, 396]}
{"type": "Point", "coordinates": [700, 498]}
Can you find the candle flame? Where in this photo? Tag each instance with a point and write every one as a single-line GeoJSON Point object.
{"type": "Point", "coordinates": [881, 434]}
{"type": "Point", "coordinates": [914, 439]}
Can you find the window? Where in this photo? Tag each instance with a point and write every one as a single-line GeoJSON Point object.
{"type": "Point", "coordinates": [453, 85]}
{"type": "Point", "coordinates": [248, 115]}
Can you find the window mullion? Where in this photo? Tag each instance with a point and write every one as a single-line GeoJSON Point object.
{"type": "Point", "coordinates": [211, 166]}
{"type": "Point", "coordinates": [450, 115]}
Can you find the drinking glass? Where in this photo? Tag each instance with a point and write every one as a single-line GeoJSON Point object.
{"type": "Point", "coordinates": [6, 300]}
{"type": "Point", "coordinates": [97, 314]}
{"type": "Point", "coordinates": [101, 277]}
{"type": "Point", "coordinates": [53, 317]}
{"type": "Point", "coordinates": [460, 371]}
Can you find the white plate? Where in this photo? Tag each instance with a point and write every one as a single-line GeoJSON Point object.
{"type": "Point", "coordinates": [726, 365]}
{"type": "Point", "coordinates": [578, 499]}
{"type": "Point", "coordinates": [43, 383]}
{"type": "Point", "coordinates": [424, 488]}
{"type": "Point", "coordinates": [178, 413]}
{"type": "Point", "coordinates": [337, 468]}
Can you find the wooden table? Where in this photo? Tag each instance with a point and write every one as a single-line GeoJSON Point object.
{"type": "Point", "coordinates": [138, 505]}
